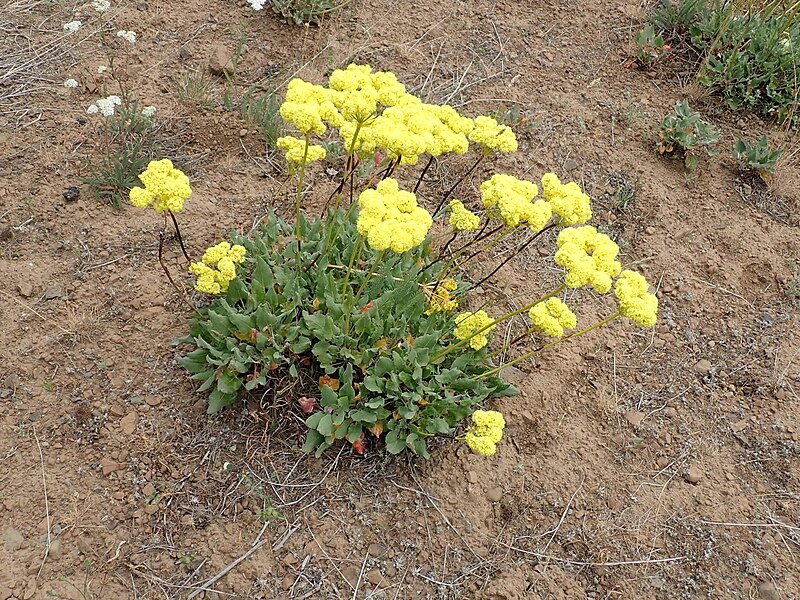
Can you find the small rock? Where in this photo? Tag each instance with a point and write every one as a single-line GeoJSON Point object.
{"type": "Point", "coordinates": [290, 560]}
{"type": "Point", "coordinates": [12, 539]}
{"type": "Point", "coordinates": [109, 466]}
{"type": "Point", "coordinates": [127, 424]}
{"type": "Point", "coordinates": [739, 425]}
{"type": "Point", "coordinates": [376, 550]}
{"type": "Point", "coordinates": [635, 417]}
{"type": "Point", "coordinates": [375, 577]}
{"type": "Point", "coordinates": [702, 367]}
{"type": "Point", "coordinates": [51, 292]}
{"type": "Point", "coordinates": [693, 475]}
{"type": "Point", "coordinates": [570, 164]}
{"type": "Point", "coordinates": [30, 589]}
{"type": "Point", "coordinates": [767, 591]}
{"type": "Point", "coordinates": [662, 462]}
{"type": "Point", "coordinates": [153, 400]}
{"type": "Point", "coordinates": [472, 477]}
{"type": "Point", "coordinates": [242, 132]}
{"type": "Point", "coordinates": [614, 504]}
{"type": "Point", "coordinates": [671, 412]}
{"type": "Point", "coordinates": [650, 230]}
{"type": "Point", "coordinates": [221, 61]}
{"type": "Point", "coordinates": [55, 549]}
{"type": "Point", "coordinates": [149, 490]}
{"type": "Point", "coordinates": [514, 376]}
{"type": "Point", "coordinates": [495, 494]}
{"type": "Point", "coordinates": [544, 251]}
{"type": "Point", "coordinates": [25, 290]}
{"type": "Point", "coordinates": [151, 509]}
{"type": "Point", "coordinates": [185, 53]}
{"type": "Point", "coordinates": [351, 574]}
{"type": "Point", "coordinates": [72, 193]}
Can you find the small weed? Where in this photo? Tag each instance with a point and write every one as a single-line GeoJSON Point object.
{"type": "Point", "coordinates": [196, 89]}
{"type": "Point", "coordinates": [263, 112]}
{"type": "Point", "coordinates": [650, 46]}
{"type": "Point", "coordinates": [686, 133]}
{"type": "Point", "coordinates": [48, 385]}
{"type": "Point", "coordinates": [128, 146]}
{"type": "Point", "coordinates": [674, 18]}
{"type": "Point", "coordinates": [793, 286]}
{"type": "Point", "coordinates": [187, 560]}
{"type": "Point", "coordinates": [756, 157]}
{"type": "Point", "coordinates": [269, 512]}
{"type": "Point", "coordinates": [305, 12]}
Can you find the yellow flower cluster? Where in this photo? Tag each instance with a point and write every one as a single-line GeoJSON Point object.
{"type": "Point", "coordinates": [218, 267]}
{"type": "Point", "coordinates": [568, 200]}
{"type": "Point", "coordinates": [374, 112]}
{"type": "Point", "coordinates": [589, 257]}
{"type": "Point", "coordinates": [469, 324]}
{"type": "Point", "coordinates": [440, 299]}
{"type": "Point", "coordinates": [391, 219]}
{"type": "Point", "coordinates": [492, 136]}
{"type": "Point", "coordinates": [485, 432]}
{"type": "Point", "coordinates": [635, 302]}
{"type": "Point", "coordinates": [296, 148]}
{"type": "Point", "coordinates": [165, 187]}
{"type": "Point", "coordinates": [552, 316]}
{"type": "Point", "coordinates": [462, 219]}
{"type": "Point", "coordinates": [513, 198]}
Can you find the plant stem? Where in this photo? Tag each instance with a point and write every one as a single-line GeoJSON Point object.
{"type": "Point", "coordinates": [422, 175]}
{"type": "Point", "coordinates": [355, 251]}
{"type": "Point", "coordinates": [178, 233]}
{"type": "Point", "coordinates": [301, 176]}
{"type": "Point", "coordinates": [558, 341]}
{"type": "Point", "coordinates": [361, 288]}
{"type": "Point", "coordinates": [446, 197]}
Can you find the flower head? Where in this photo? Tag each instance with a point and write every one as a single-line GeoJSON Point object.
{"type": "Point", "coordinates": [128, 36]}
{"type": "Point", "coordinates": [635, 302]}
{"type": "Point", "coordinates": [165, 187]}
{"type": "Point", "coordinates": [474, 327]}
{"type": "Point", "coordinates": [149, 112]}
{"type": "Point", "coordinates": [72, 26]}
{"type": "Point", "coordinates": [391, 219]}
{"type": "Point", "coordinates": [568, 200]}
{"type": "Point", "coordinates": [105, 106]}
{"type": "Point", "coordinates": [256, 4]}
{"type": "Point", "coordinates": [440, 299]}
{"type": "Point", "coordinates": [590, 258]}
{"type": "Point", "coordinates": [552, 316]}
{"type": "Point", "coordinates": [462, 219]}
{"type": "Point", "coordinates": [101, 6]}
{"type": "Point", "coordinates": [511, 199]}
{"type": "Point", "coordinates": [485, 432]}
{"type": "Point", "coordinates": [218, 267]}
{"type": "Point", "coordinates": [491, 136]}
{"type": "Point", "coordinates": [70, 83]}
{"type": "Point", "coordinates": [296, 150]}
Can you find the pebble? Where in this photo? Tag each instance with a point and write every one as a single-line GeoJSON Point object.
{"type": "Point", "coordinates": [570, 164]}
{"type": "Point", "coordinates": [375, 577]}
{"type": "Point", "coordinates": [12, 539]}
{"type": "Point", "coordinates": [662, 462]}
{"type": "Point", "coordinates": [495, 494]}
{"type": "Point", "coordinates": [72, 193]}
{"type": "Point", "coordinates": [693, 475]}
{"type": "Point", "coordinates": [650, 230]}
{"type": "Point", "coordinates": [127, 424]}
{"type": "Point", "coordinates": [671, 412]}
{"type": "Point", "coordinates": [153, 400]}
{"type": "Point", "coordinates": [614, 504]}
{"type": "Point", "coordinates": [221, 61]}
{"type": "Point", "coordinates": [767, 591]}
{"type": "Point", "coordinates": [55, 549]}
{"type": "Point", "coordinates": [472, 476]}
{"type": "Point", "coordinates": [25, 290]}
{"type": "Point", "coordinates": [109, 466]}
{"type": "Point", "coordinates": [51, 292]}
{"type": "Point", "coordinates": [702, 367]}
{"type": "Point", "coordinates": [376, 550]}
{"type": "Point", "coordinates": [635, 417]}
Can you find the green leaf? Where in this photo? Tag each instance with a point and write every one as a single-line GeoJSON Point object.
{"type": "Point", "coordinates": [312, 422]}
{"type": "Point", "coordinates": [364, 416]}
{"type": "Point", "coordinates": [325, 425]}
{"type": "Point", "coordinates": [383, 366]}
{"type": "Point", "coordinates": [313, 440]}
{"type": "Point", "coordinates": [394, 443]}
{"type": "Point", "coordinates": [373, 384]}
{"type": "Point", "coordinates": [228, 383]}
{"type": "Point", "coordinates": [218, 400]}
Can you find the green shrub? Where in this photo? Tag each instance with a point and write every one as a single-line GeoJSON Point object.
{"type": "Point", "coordinates": [756, 157]}
{"type": "Point", "coordinates": [685, 133]}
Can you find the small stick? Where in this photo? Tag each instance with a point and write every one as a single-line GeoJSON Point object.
{"type": "Point", "coordinates": [46, 505]}
{"type": "Point", "coordinates": [583, 563]}
{"type": "Point", "coordinates": [425, 170]}
{"type": "Point", "coordinates": [178, 233]}
{"type": "Point", "coordinates": [204, 586]}
{"type": "Point", "coordinates": [360, 576]}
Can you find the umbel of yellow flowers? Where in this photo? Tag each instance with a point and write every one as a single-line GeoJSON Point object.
{"type": "Point", "coordinates": [218, 267]}
{"type": "Point", "coordinates": [165, 187]}
{"type": "Point", "coordinates": [391, 219]}
{"type": "Point", "coordinates": [485, 432]}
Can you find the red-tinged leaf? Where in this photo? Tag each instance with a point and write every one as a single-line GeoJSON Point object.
{"type": "Point", "coordinates": [376, 429]}
{"type": "Point", "coordinates": [329, 381]}
{"type": "Point", "coordinates": [366, 307]}
{"type": "Point", "coordinates": [358, 446]}
{"type": "Point", "coordinates": [254, 375]}
{"type": "Point", "coordinates": [273, 366]}
{"type": "Point", "coordinates": [307, 405]}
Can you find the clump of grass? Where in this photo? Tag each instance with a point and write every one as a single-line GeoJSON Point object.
{"type": "Point", "coordinates": [195, 89]}
{"type": "Point", "coordinates": [263, 111]}
{"type": "Point", "coordinates": [306, 12]}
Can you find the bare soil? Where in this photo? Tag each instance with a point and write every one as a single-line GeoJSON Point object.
{"type": "Point", "coordinates": [636, 464]}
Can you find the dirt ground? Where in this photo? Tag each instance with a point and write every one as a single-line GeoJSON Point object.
{"type": "Point", "coordinates": [636, 464]}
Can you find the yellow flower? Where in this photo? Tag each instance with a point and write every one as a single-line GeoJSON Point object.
{"type": "Point", "coordinates": [568, 200]}
{"type": "Point", "coordinates": [224, 257]}
{"type": "Point", "coordinates": [296, 148]}
{"type": "Point", "coordinates": [441, 300]}
{"type": "Point", "coordinates": [469, 324]}
{"type": "Point", "coordinates": [391, 219]}
{"type": "Point", "coordinates": [462, 219]}
{"type": "Point", "coordinates": [589, 257]}
{"type": "Point", "coordinates": [511, 198]}
{"type": "Point", "coordinates": [635, 302]}
{"type": "Point", "coordinates": [492, 136]}
{"type": "Point", "coordinates": [552, 316]}
{"type": "Point", "coordinates": [165, 187]}
{"type": "Point", "coordinates": [485, 432]}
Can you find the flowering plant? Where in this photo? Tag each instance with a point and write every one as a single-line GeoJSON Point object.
{"type": "Point", "coordinates": [355, 313]}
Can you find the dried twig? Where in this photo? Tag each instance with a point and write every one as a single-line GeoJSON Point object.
{"type": "Point", "coordinates": [46, 505]}
{"type": "Point", "coordinates": [205, 585]}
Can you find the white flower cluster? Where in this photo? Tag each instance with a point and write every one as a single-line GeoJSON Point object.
{"type": "Point", "coordinates": [149, 112]}
{"type": "Point", "coordinates": [128, 36]}
{"type": "Point", "coordinates": [105, 106]}
{"type": "Point", "coordinates": [101, 6]}
{"type": "Point", "coordinates": [70, 83]}
{"type": "Point", "coordinates": [102, 69]}
{"type": "Point", "coordinates": [72, 26]}
{"type": "Point", "coordinates": [257, 4]}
